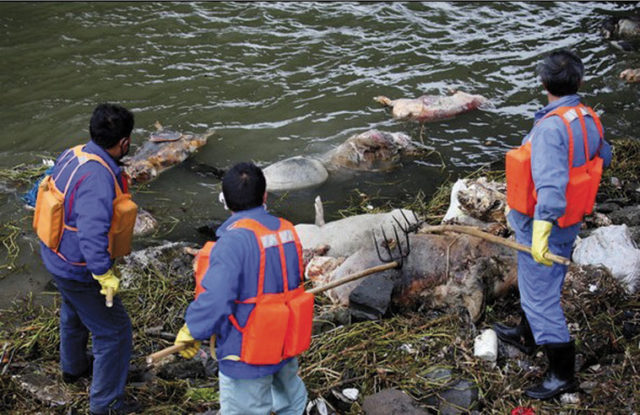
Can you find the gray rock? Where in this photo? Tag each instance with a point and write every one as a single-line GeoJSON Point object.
{"type": "Point", "coordinates": [391, 402]}
{"type": "Point", "coordinates": [370, 300]}
{"type": "Point", "coordinates": [629, 215]}
{"type": "Point", "coordinates": [461, 398]}
{"type": "Point", "coordinates": [606, 207]}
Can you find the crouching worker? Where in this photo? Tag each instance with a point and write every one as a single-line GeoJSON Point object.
{"type": "Point", "coordinates": [552, 181]}
{"type": "Point", "coordinates": [84, 218]}
{"type": "Point", "coordinates": [253, 302]}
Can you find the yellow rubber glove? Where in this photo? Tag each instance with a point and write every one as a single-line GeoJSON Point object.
{"type": "Point", "coordinates": [193, 345]}
{"type": "Point", "coordinates": [540, 241]}
{"type": "Point", "coordinates": [108, 280]}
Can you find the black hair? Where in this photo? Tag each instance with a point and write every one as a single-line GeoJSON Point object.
{"type": "Point", "coordinates": [109, 124]}
{"type": "Point", "coordinates": [561, 72]}
{"type": "Point", "coordinates": [243, 187]}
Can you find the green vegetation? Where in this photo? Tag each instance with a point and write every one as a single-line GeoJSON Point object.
{"type": "Point", "coordinates": [398, 352]}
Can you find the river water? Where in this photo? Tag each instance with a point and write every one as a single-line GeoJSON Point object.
{"type": "Point", "coordinates": [281, 79]}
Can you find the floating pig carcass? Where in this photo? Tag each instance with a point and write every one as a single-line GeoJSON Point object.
{"type": "Point", "coordinates": [433, 107]}
{"type": "Point", "coordinates": [163, 149]}
{"type": "Point", "coordinates": [371, 150]}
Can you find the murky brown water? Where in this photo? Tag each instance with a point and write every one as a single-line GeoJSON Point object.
{"type": "Point", "coordinates": [283, 79]}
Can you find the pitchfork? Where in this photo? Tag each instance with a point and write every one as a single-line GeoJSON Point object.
{"type": "Point", "coordinates": [395, 261]}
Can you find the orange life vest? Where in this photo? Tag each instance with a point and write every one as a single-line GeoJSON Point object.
{"type": "Point", "coordinates": [583, 181]}
{"type": "Point", "coordinates": [49, 217]}
{"type": "Point", "coordinates": [279, 325]}
{"type": "Point", "coordinates": [201, 265]}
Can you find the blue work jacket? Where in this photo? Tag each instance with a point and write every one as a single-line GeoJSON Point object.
{"type": "Point", "coordinates": [88, 206]}
{"type": "Point", "coordinates": [233, 276]}
{"type": "Point", "coordinates": [550, 168]}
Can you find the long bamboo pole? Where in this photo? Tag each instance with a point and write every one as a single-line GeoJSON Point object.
{"type": "Point", "coordinates": [470, 230]}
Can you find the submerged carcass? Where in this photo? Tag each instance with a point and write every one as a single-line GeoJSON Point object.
{"type": "Point", "coordinates": [371, 150]}
{"type": "Point", "coordinates": [433, 107]}
{"type": "Point", "coordinates": [163, 149]}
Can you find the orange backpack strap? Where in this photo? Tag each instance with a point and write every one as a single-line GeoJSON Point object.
{"type": "Point", "coordinates": [83, 157]}
{"type": "Point", "coordinates": [288, 234]}
{"type": "Point", "coordinates": [267, 238]}
{"type": "Point", "coordinates": [598, 123]}
{"type": "Point", "coordinates": [201, 266]}
{"type": "Point", "coordinates": [561, 112]}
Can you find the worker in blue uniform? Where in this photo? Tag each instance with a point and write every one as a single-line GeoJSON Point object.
{"type": "Point", "coordinates": [236, 262]}
{"type": "Point", "coordinates": [539, 280]}
{"type": "Point", "coordinates": [82, 266]}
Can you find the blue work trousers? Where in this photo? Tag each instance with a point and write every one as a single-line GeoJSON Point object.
{"type": "Point", "coordinates": [283, 393]}
{"type": "Point", "coordinates": [83, 311]}
{"type": "Point", "coordinates": [540, 290]}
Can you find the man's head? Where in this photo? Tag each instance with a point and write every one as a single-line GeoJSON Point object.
{"type": "Point", "coordinates": [111, 127]}
{"type": "Point", "coordinates": [243, 187]}
{"type": "Point", "coordinates": [561, 73]}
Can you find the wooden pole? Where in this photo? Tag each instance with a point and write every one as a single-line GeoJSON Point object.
{"type": "Point", "coordinates": [109, 300]}
{"type": "Point", "coordinates": [351, 277]}
{"type": "Point", "coordinates": [470, 230]}
{"type": "Point", "coordinates": [165, 352]}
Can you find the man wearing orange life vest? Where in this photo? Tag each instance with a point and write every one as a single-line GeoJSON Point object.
{"type": "Point", "coordinates": [88, 178]}
{"type": "Point", "coordinates": [256, 255]}
{"type": "Point", "coordinates": [550, 186]}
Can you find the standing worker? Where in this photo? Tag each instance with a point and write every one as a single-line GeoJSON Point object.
{"type": "Point", "coordinates": [84, 217]}
{"type": "Point", "coordinates": [551, 185]}
{"type": "Point", "coordinates": [253, 279]}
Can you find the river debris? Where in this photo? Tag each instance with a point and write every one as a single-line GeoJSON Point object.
{"type": "Point", "coordinates": [426, 354]}
{"type": "Point", "coordinates": [612, 247]}
{"type": "Point", "coordinates": [23, 174]}
{"type": "Point", "coordinates": [145, 223]}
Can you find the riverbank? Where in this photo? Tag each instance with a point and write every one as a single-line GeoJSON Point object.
{"type": "Point", "coordinates": [425, 353]}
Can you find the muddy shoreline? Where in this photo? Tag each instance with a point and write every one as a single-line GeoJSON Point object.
{"type": "Point", "coordinates": [426, 353]}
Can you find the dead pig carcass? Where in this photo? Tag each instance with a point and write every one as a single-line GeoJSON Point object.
{"type": "Point", "coordinates": [441, 271]}
{"type": "Point", "coordinates": [429, 108]}
{"type": "Point", "coordinates": [162, 150]}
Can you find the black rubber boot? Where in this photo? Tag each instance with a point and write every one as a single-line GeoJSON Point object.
{"type": "Point", "coordinates": [560, 374]}
{"type": "Point", "coordinates": [519, 336]}
{"type": "Point", "coordinates": [69, 378]}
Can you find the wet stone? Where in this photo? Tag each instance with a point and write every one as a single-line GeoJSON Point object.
{"type": "Point", "coordinates": [391, 402]}
{"type": "Point", "coordinates": [606, 207]}
{"type": "Point", "coordinates": [629, 215]}
{"type": "Point", "coordinates": [370, 300]}
{"type": "Point", "coordinates": [460, 399]}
